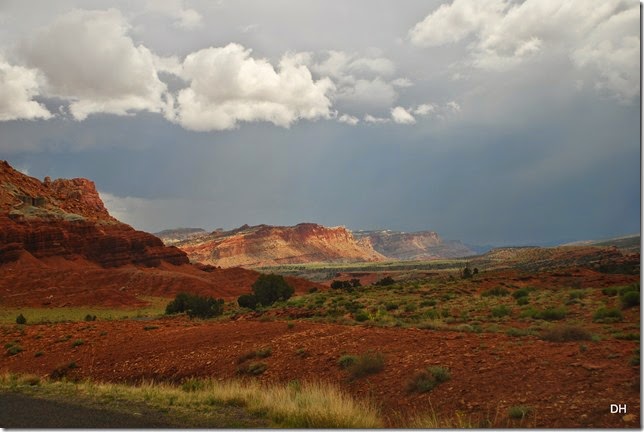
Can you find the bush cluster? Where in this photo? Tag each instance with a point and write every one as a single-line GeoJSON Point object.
{"type": "Point", "coordinates": [607, 315]}
{"type": "Point", "coordinates": [495, 292]}
{"type": "Point", "coordinates": [338, 284]}
{"type": "Point", "coordinates": [267, 289]}
{"type": "Point", "coordinates": [428, 378]}
{"type": "Point", "coordinates": [195, 306]}
{"type": "Point", "coordinates": [386, 281]}
{"type": "Point", "coordinates": [566, 334]}
{"type": "Point", "coordinates": [362, 365]}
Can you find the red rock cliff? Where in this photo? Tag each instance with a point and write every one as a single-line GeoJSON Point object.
{"type": "Point", "coordinates": [264, 245]}
{"type": "Point", "coordinates": [67, 218]}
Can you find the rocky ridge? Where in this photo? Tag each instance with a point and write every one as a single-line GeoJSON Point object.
{"type": "Point", "coordinates": [421, 245]}
{"type": "Point", "coordinates": [264, 245]}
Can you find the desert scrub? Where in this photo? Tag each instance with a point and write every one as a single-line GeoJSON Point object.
{"type": "Point", "coordinates": [549, 314]}
{"type": "Point", "coordinates": [630, 299]}
{"type": "Point", "coordinates": [500, 311]}
{"type": "Point", "coordinates": [522, 292]}
{"type": "Point", "coordinates": [566, 334]}
{"type": "Point", "coordinates": [311, 405]}
{"type": "Point", "coordinates": [346, 360]}
{"type": "Point", "coordinates": [425, 380]}
{"type": "Point", "coordinates": [495, 292]}
{"type": "Point", "coordinates": [366, 364]}
{"type": "Point", "coordinates": [606, 315]}
{"type": "Point", "coordinates": [260, 353]}
{"type": "Point", "coordinates": [519, 412]}
{"type": "Point", "coordinates": [13, 348]}
{"type": "Point", "coordinates": [20, 319]}
{"type": "Point", "coordinates": [78, 342]}
{"type": "Point", "coordinates": [253, 368]}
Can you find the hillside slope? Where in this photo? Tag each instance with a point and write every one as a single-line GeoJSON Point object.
{"type": "Point", "coordinates": [414, 245]}
{"type": "Point", "coordinates": [59, 246]}
{"type": "Point", "coordinates": [264, 245]}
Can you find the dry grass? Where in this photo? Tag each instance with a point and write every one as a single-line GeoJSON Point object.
{"type": "Point", "coordinates": [309, 405]}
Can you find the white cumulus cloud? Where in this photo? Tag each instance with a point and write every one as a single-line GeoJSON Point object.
{"type": "Point", "coordinates": [227, 86]}
{"type": "Point", "coordinates": [88, 59]}
{"type": "Point", "coordinates": [600, 38]}
{"type": "Point", "coordinates": [368, 118]}
{"type": "Point", "coordinates": [402, 116]}
{"type": "Point", "coordinates": [18, 86]}
{"type": "Point", "coordinates": [348, 119]}
{"type": "Point", "coordinates": [184, 18]}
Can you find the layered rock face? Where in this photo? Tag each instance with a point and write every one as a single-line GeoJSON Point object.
{"type": "Point", "coordinates": [264, 245]}
{"type": "Point", "coordinates": [67, 218]}
{"type": "Point", "coordinates": [413, 246]}
{"type": "Point", "coordinates": [60, 247]}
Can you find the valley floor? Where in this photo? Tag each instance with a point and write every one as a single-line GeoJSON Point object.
{"type": "Point", "coordinates": [564, 384]}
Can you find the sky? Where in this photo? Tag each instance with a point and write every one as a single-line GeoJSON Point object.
{"type": "Point", "coordinates": [498, 122]}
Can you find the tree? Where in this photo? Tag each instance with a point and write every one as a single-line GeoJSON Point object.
{"type": "Point", "coordinates": [247, 301]}
{"type": "Point", "coordinates": [269, 288]}
{"type": "Point", "coordinates": [467, 273]}
{"type": "Point", "coordinates": [20, 319]}
{"type": "Point", "coordinates": [195, 306]}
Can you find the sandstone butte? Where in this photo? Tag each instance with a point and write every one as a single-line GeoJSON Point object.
{"type": "Point", "coordinates": [265, 245]}
{"type": "Point", "coordinates": [59, 246]}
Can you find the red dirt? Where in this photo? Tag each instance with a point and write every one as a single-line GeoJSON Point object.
{"type": "Point", "coordinates": [57, 282]}
{"type": "Point", "coordinates": [490, 372]}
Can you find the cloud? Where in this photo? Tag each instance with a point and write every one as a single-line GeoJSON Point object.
{"type": "Point", "coordinates": [453, 22]}
{"type": "Point", "coordinates": [184, 18]}
{"type": "Point", "coordinates": [600, 38]}
{"type": "Point", "coordinates": [348, 119]}
{"type": "Point", "coordinates": [18, 87]}
{"type": "Point", "coordinates": [87, 58]}
{"type": "Point", "coordinates": [227, 86]}
{"type": "Point", "coordinates": [424, 109]}
{"type": "Point", "coordinates": [401, 116]}
{"type": "Point", "coordinates": [362, 83]}
{"type": "Point", "coordinates": [368, 118]}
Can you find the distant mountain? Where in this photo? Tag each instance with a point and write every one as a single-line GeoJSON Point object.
{"type": "Point", "coordinates": [265, 245]}
{"type": "Point", "coordinates": [414, 245]}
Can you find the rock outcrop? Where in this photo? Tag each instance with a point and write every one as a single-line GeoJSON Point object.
{"type": "Point", "coordinates": [59, 246]}
{"type": "Point", "coordinates": [419, 245]}
{"type": "Point", "coordinates": [265, 245]}
{"type": "Point", "coordinates": [67, 218]}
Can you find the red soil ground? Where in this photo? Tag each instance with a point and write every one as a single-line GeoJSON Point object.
{"type": "Point", "coordinates": [565, 386]}
{"type": "Point", "coordinates": [58, 282]}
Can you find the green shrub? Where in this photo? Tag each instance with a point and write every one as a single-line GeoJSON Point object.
{"type": "Point", "coordinates": [347, 360]}
{"type": "Point", "coordinates": [248, 301]}
{"type": "Point", "coordinates": [523, 292]}
{"type": "Point", "coordinates": [566, 334]}
{"type": "Point", "coordinates": [366, 364]}
{"type": "Point", "coordinates": [611, 291]}
{"type": "Point", "coordinates": [522, 301]}
{"type": "Point", "coordinates": [607, 315]}
{"type": "Point", "coordinates": [269, 288]}
{"type": "Point", "coordinates": [627, 336]}
{"type": "Point", "coordinates": [500, 311]}
{"type": "Point", "coordinates": [89, 317]}
{"type": "Point", "coordinates": [39, 354]}
{"type": "Point", "coordinates": [195, 306]}
{"type": "Point", "coordinates": [20, 319]}
{"type": "Point", "coordinates": [515, 332]}
{"type": "Point", "coordinates": [576, 294]}
{"type": "Point", "coordinates": [495, 292]}
{"type": "Point", "coordinates": [361, 316]}
{"type": "Point", "coordinates": [386, 281]}
{"type": "Point", "coordinates": [263, 352]}
{"type": "Point", "coordinates": [255, 368]}
{"type": "Point", "coordinates": [552, 314]}
{"type": "Point", "coordinates": [630, 299]}
{"type": "Point", "coordinates": [519, 412]}
{"type": "Point", "coordinates": [78, 342]}
{"type": "Point", "coordinates": [425, 380]}
{"type": "Point", "coordinates": [391, 306]}
{"type": "Point", "coordinates": [13, 348]}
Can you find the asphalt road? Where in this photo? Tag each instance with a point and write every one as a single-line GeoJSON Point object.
{"type": "Point", "coordinates": [20, 411]}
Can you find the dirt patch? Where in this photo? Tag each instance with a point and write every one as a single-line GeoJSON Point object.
{"type": "Point", "coordinates": [564, 385]}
